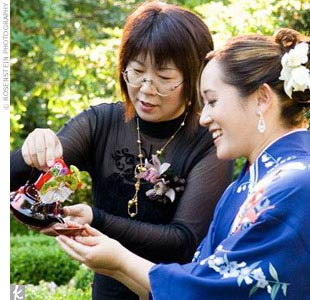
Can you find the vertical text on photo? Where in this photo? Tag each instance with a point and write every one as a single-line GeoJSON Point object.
{"type": "Point", "coordinates": [5, 56]}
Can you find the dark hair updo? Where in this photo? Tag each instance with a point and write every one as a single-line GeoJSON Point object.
{"type": "Point", "coordinates": [168, 33]}
{"type": "Point", "coordinates": [249, 61]}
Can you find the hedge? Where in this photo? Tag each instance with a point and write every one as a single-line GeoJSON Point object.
{"type": "Point", "coordinates": [35, 258]}
{"type": "Point", "coordinates": [83, 278]}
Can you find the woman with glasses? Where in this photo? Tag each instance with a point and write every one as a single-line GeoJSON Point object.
{"type": "Point", "coordinates": [155, 175]}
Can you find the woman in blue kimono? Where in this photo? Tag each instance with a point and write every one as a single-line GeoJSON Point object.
{"type": "Point", "coordinates": [255, 93]}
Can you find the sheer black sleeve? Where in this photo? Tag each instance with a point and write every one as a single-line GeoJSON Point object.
{"type": "Point", "coordinates": [75, 138]}
{"type": "Point", "coordinates": [178, 240]}
{"type": "Point", "coordinates": [20, 172]}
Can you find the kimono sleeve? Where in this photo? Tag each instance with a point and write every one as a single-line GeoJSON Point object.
{"type": "Point", "coordinates": [268, 259]}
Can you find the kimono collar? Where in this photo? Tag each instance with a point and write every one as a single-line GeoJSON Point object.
{"type": "Point", "coordinates": [282, 150]}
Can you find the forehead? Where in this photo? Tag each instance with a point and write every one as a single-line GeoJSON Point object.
{"type": "Point", "coordinates": [149, 59]}
{"type": "Point", "coordinates": [211, 76]}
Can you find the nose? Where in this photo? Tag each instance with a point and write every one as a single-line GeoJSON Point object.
{"type": "Point", "coordinates": [205, 118]}
{"type": "Point", "coordinates": [147, 87]}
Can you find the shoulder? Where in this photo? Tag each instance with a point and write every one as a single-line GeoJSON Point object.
{"type": "Point", "coordinates": [287, 189]}
{"type": "Point", "coordinates": [293, 175]}
{"type": "Point", "coordinates": [107, 110]}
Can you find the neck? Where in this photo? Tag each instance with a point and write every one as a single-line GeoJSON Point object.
{"type": "Point", "coordinates": [161, 129]}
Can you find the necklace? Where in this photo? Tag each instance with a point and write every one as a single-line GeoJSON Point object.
{"type": "Point", "coordinates": [140, 167]}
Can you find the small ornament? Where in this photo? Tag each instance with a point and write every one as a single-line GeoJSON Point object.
{"type": "Point", "coordinates": [39, 204]}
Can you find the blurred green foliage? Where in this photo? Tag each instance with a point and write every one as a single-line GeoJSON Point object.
{"type": "Point", "coordinates": [50, 263]}
{"type": "Point", "coordinates": [83, 278]}
{"type": "Point", "coordinates": [48, 291]}
{"type": "Point", "coordinates": [64, 52]}
{"type": "Point", "coordinates": [18, 228]}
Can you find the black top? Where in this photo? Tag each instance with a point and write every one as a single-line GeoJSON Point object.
{"type": "Point", "coordinates": [100, 142]}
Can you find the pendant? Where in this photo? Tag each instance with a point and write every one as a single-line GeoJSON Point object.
{"type": "Point", "coordinates": [133, 206]}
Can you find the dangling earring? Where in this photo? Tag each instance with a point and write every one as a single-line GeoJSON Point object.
{"type": "Point", "coordinates": [261, 127]}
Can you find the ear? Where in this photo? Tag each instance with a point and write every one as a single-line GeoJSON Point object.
{"type": "Point", "coordinates": [265, 98]}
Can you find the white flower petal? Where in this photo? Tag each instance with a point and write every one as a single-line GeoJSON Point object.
{"type": "Point", "coordinates": [248, 280]}
{"type": "Point", "coordinates": [296, 77]}
{"type": "Point", "coordinates": [163, 168]}
{"type": "Point", "coordinates": [170, 194]}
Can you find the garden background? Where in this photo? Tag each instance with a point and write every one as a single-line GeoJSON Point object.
{"type": "Point", "coordinates": [63, 59]}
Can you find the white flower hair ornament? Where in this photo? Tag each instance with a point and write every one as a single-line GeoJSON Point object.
{"type": "Point", "coordinates": [296, 76]}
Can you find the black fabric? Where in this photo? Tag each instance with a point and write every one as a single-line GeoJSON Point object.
{"type": "Point", "coordinates": [100, 142]}
{"type": "Point", "coordinates": [161, 129]}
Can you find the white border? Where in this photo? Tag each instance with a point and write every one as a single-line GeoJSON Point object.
{"type": "Point", "coordinates": [5, 146]}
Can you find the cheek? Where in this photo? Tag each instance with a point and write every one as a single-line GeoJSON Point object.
{"type": "Point", "coordinates": [132, 93]}
{"type": "Point", "coordinates": [177, 99]}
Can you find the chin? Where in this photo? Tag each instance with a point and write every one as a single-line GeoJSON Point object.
{"type": "Point", "coordinates": [225, 155]}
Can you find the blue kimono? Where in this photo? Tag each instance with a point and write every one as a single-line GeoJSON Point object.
{"type": "Point", "coordinates": [258, 245]}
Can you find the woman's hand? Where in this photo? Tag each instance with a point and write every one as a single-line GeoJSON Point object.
{"type": "Point", "coordinates": [109, 257]}
{"type": "Point", "coordinates": [97, 251]}
{"type": "Point", "coordinates": [79, 213]}
{"type": "Point", "coordinates": [41, 148]}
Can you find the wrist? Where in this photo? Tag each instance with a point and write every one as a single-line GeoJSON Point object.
{"type": "Point", "coordinates": [124, 264]}
{"type": "Point", "coordinates": [90, 215]}
{"type": "Point", "coordinates": [98, 218]}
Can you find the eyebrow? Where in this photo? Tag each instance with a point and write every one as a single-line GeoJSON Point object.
{"type": "Point", "coordinates": [160, 68]}
{"type": "Point", "coordinates": [207, 91]}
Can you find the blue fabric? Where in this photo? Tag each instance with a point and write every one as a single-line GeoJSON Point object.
{"type": "Point", "coordinates": [258, 245]}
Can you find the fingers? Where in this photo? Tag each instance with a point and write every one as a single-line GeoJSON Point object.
{"type": "Point", "coordinates": [80, 213]}
{"type": "Point", "coordinates": [41, 148]}
{"type": "Point", "coordinates": [73, 211]}
{"type": "Point", "coordinates": [73, 248]}
{"type": "Point", "coordinates": [88, 240]}
{"type": "Point", "coordinates": [72, 224]}
{"type": "Point", "coordinates": [38, 151]}
{"type": "Point", "coordinates": [53, 149]}
{"type": "Point", "coordinates": [92, 231]}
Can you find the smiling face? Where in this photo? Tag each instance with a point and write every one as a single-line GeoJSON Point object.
{"type": "Point", "coordinates": [231, 118]}
{"type": "Point", "coordinates": [148, 104]}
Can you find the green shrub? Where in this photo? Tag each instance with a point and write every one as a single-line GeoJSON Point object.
{"type": "Point", "coordinates": [239, 163]}
{"type": "Point", "coordinates": [83, 278]}
{"type": "Point", "coordinates": [17, 228]}
{"type": "Point", "coordinates": [32, 241]}
{"type": "Point", "coordinates": [48, 291]}
{"type": "Point", "coordinates": [39, 258]}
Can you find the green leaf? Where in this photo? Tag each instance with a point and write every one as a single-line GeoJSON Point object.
{"type": "Point", "coordinates": [284, 288]}
{"type": "Point", "coordinates": [225, 259]}
{"type": "Point", "coordinates": [254, 265]}
{"type": "Point", "coordinates": [253, 290]}
{"type": "Point", "coordinates": [275, 290]}
{"type": "Point", "coordinates": [239, 280]}
{"type": "Point", "coordinates": [273, 272]}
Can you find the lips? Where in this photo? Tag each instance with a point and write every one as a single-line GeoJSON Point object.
{"type": "Point", "coordinates": [216, 133]}
{"type": "Point", "coordinates": [147, 104]}
{"type": "Point", "coordinates": [146, 107]}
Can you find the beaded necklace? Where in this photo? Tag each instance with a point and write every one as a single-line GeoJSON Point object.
{"type": "Point", "coordinates": [140, 167]}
